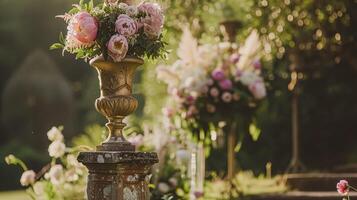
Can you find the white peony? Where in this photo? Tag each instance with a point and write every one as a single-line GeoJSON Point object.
{"type": "Point", "coordinates": [56, 149]}
{"type": "Point", "coordinates": [28, 178]}
{"type": "Point", "coordinates": [54, 134]}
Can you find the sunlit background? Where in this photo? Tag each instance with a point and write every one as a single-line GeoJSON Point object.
{"type": "Point", "coordinates": [40, 88]}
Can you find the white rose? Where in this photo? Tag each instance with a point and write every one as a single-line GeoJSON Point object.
{"type": "Point", "coordinates": [56, 149]}
{"type": "Point", "coordinates": [258, 90]}
{"type": "Point", "coordinates": [54, 134]}
{"type": "Point", "coordinates": [28, 178]}
{"type": "Point", "coordinates": [163, 187]}
{"type": "Point", "coordinates": [55, 174]}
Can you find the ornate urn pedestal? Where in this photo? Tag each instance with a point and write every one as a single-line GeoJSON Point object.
{"type": "Point", "coordinates": [116, 171]}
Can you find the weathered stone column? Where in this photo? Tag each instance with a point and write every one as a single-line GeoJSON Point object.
{"type": "Point", "coordinates": [116, 171]}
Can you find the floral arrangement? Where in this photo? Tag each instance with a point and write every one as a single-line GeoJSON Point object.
{"type": "Point", "coordinates": [63, 178]}
{"type": "Point", "coordinates": [113, 29]}
{"type": "Point", "coordinates": [212, 83]}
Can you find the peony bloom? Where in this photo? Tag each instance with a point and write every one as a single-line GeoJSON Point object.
{"type": "Point", "coordinates": [163, 187]}
{"type": "Point", "coordinates": [227, 97]}
{"type": "Point", "coordinates": [28, 178]}
{"type": "Point", "coordinates": [125, 25]}
{"type": "Point", "coordinates": [117, 47]}
{"type": "Point", "coordinates": [226, 84]}
{"type": "Point", "coordinates": [214, 92]}
{"type": "Point", "coordinates": [342, 187]}
{"type": "Point", "coordinates": [55, 174]}
{"type": "Point", "coordinates": [56, 149]}
{"type": "Point", "coordinates": [218, 74]}
{"type": "Point", "coordinates": [154, 20]}
{"type": "Point", "coordinates": [258, 90]}
{"type": "Point", "coordinates": [54, 134]}
{"type": "Point", "coordinates": [83, 28]}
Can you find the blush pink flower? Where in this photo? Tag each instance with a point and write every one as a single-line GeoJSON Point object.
{"type": "Point", "coordinates": [226, 84]}
{"type": "Point", "coordinates": [218, 74]}
{"type": "Point", "coordinates": [125, 25]}
{"type": "Point", "coordinates": [154, 19]}
{"type": "Point", "coordinates": [342, 187]}
{"type": "Point", "coordinates": [117, 47]}
{"type": "Point", "coordinates": [214, 92]}
{"type": "Point", "coordinates": [83, 27]}
{"type": "Point", "coordinates": [258, 89]}
{"type": "Point", "coordinates": [227, 97]}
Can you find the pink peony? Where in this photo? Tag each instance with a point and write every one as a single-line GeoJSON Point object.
{"type": "Point", "coordinates": [227, 97]}
{"type": "Point", "coordinates": [234, 58]}
{"type": "Point", "coordinates": [117, 47]}
{"type": "Point", "coordinates": [218, 74]}
{"type": "Point", "coordinates": [125, 25]}
{"type": "Point", "coordinates": [342, 187]}
{"type": "Point", "coordinates": [154, 20]}
{"type": "Point", "coordinates": [258, 89]}
{"type": "Point", "coordinates": [83, 27]}
{"type": "Point", "coordinates": [214, 92]}
{"type": "Point", "coordinates": [226, 84]}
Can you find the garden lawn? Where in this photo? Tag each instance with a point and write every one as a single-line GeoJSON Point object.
{"type": "Point", "coordinates": [14, 195]}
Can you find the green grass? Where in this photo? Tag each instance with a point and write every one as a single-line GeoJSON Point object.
{"type": "Point", "coordinates": [14, 195]}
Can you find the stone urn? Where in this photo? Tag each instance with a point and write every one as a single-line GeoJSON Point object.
{"type": "Point", "coordinates": [116, 170]}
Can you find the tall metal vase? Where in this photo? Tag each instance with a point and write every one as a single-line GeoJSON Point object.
{"type": "Point", "coordinates": [116, 171]}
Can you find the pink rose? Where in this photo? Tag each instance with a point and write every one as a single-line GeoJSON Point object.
{"type": "Point", "coordinates": [342, 187]}
{"type": "Point", "coordinates": [117, 47]}
{"type": "Point", "coordinates": [83, 27]}
{"type": "Point", "coordinates": [154, 20]}
{"type": "Point", "coordinates": [218, 74]}
{"type": "Point", "coordinates": [125, 25]}
{"type": "Point", "coordinates": [214, 92]}
{"type": "Point", "coordinates": [258, 89]}
{"type": "Point", "coordinates": [226, 84]}
{"type": "Point", "coordinates": [227, 97]}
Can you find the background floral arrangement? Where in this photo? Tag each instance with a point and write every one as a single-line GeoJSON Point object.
{"type": "Point", "coordinates": [114, 30]}
{"type": "Point", "coordinates": [63, 178]}
{"type": "Point", "coordinates": [212, 83]}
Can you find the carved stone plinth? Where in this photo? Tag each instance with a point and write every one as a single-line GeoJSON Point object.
{"type": "Point", "coordinates": [116, 171]}
{"type": "Point", "coordinates": [118, 175]}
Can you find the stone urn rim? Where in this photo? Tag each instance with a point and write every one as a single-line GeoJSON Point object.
{"type": "Point", "coordinates": [111, 65]}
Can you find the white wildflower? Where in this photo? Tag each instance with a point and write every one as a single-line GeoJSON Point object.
{"type": "Point", "coordinates": [54, 134]}
{"type": "Point", "coordinates": [56, 149]}
{"type": "Point", "coordinates": [28, 178]}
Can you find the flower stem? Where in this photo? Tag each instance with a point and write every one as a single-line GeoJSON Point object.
{"type": "Point", "coordinates": [354, 189]}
